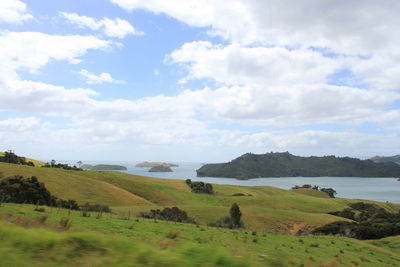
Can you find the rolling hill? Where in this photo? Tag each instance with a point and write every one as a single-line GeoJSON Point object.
{"type": "Point", "coordinates": [269, 214]}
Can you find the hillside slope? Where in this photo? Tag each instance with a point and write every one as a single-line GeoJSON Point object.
{"type": "Point", "coordinates": [264, 208]}
{"type": "Point", "coordinates": [111, 240]}
{"type": "Point", "coordinates": [287, 165]}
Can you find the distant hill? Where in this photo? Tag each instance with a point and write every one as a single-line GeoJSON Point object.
{"type": "Point", "coordinates": [150, 164]}
{"type": "Point", "coordinates": [287, 165]}
{"type": "Point", "coordinates": [395, 159]}
{"type": "Point", "coordinates": [103, 167]}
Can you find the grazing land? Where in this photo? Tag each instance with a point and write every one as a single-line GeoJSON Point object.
{"type": "Point", "coordinates": [272, 217]}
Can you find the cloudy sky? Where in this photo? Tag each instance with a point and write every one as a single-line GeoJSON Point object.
{"type": "Point", "coordinates": [199, 80]}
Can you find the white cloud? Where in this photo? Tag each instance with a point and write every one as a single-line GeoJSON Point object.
{"type": "Point", "coordinates": [319, 143]}
{"type": "Point", "coordinates": [344, 26]}
{"type": "Point", "coordinates": [118, 28]}
{"type": "Point", "coordinates": [234, 64]}
{"type": "Point", "coordinates": [14, 11]}
{"type": "Point", "coordinates": [33, 50]}
{"type": "Point", "coordinates": [14, 125]}
{"type": "Point", "coordinates": [276, 86]}
{"type": "Point", "coordinates": [347, 28]}
{"type": "Point", "coordinates": [103, 77]}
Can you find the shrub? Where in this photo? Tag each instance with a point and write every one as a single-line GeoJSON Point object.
{"type": "Point", "coordinates": [233, 221]}
{"type": "Point", "coordinates": [372, 223]}
{"type": "Point", "coordinates": [200, 187]}
{"type": "Point", "coordinates": [169, 214]}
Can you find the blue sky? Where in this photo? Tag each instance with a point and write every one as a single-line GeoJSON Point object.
{"type": "Point", "coordinates": [198, 80]}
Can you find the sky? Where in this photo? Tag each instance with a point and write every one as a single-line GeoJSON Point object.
{"type": "Point", "coordinates": [199, 80]}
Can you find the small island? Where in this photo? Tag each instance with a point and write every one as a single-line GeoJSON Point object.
{"type": "Point", "coordinates": [103, 167]}
{"type": "Point", "coordinates": [160, 168]}
{"type": "Point", "coordinates": [150, 164]}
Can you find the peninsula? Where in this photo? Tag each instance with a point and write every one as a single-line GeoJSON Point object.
{"type": "Point", "coordinates": [285, 164]}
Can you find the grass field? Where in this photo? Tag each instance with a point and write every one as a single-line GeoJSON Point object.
{"type": "Point", "coordinates": [119, 241]}
{"type": "Point", "coordinates": [267, 209]}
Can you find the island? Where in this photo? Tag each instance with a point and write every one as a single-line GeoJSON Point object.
{"type": "Point", "coordinates": [284, 164]}
{"type": "Point", "coordinates": [149, 164]}
{"type": "Point", "coordinates": [160, 168]}
{"type": "Point", "coordinates": [103, 167]}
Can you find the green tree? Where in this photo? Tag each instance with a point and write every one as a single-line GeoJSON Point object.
{"type": "Point", "coordinates": [236, 214]}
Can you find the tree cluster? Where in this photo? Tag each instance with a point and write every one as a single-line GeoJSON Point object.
{"type": "Point", "coordinates": [11, 157]}
{"type": "Point", "coordinates": [370, 222]}
{"type": "Point", "coordinates": [330, 191]}
{"type": "Point", "coordinates": [168, 214]}
{"type": "Point", "coordinates": [233, 221]}
{"type": "Point", "coordinates": [53, 164]}
{"type": "Point", "coordinates": [18, 189]}
{"type": "Point", "coordinates": [200, 187]}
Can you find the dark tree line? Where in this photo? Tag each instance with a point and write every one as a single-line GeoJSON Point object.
{"type": "Point", "coordinates": [200, 187]}
{"type": "Point", "coordinates": [330, 191]}
{"type": "Point", "coordinates": [370, 222]}
{"type": "Point", "coordinates": [53, 164]}
{"type": "Point", "coordinates": [18, 189]}
{"type": "Point", "coordinates": [11, 157]}
{"type": "Point", "coordinates": [173, 214]}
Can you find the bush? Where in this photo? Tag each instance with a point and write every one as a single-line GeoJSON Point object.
{"type": "Point", "coordinates": [200, 187]}
{"type": "Point", "coordinates": [18, 189]}
{"type": "Point", "coordinates": [372, 223]}
{"type": "Point", "coordinates": [233, 221]}
{"type": "Point", "coordinates": [169, 214]}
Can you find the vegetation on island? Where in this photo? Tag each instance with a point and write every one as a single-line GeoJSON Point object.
{"type": "Point", "coordinates": [329, 191]}
{"type": "Point", "coordinates": [149, 164]}
{"type": "Point", "coordinates": [285, 164]}
{"type": "Point", "coordinates": [380, 159]}
{"type": "Point", "coordinates": [103, 167]}
{"type": "Point", "coordinates": [160, 168]}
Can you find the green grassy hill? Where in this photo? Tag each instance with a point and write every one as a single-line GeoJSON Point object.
{"type": "Point", "coordinates": [272, 217]}
{"type": "Point", "coordinates": [265, 209]}
{"type": "Point", "coordinates": [35, 238]}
